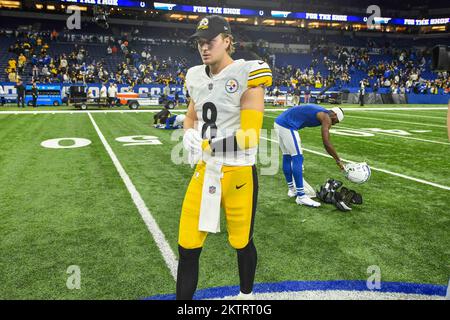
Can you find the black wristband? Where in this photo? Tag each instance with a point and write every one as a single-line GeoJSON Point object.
{"type": "Point", "coordinates": [222, 146]}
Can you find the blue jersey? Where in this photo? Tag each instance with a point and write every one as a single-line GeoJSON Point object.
{"type": "Point", "coordinates": [299, 117]}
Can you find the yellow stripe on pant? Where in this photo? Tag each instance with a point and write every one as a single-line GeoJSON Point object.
{"type": "Point", "coordinates": [239, 195]}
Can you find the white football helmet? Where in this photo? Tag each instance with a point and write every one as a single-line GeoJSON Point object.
{"type": "Point", "coordinates": [357, 172]}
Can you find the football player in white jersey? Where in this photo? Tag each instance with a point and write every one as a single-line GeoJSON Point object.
{"type": "Point", "coordinates": [222, 124]}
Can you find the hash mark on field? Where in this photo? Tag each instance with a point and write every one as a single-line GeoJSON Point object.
{"type": "Point", "coordinates": [152, 226]}
{"type": "Point", "coordinates": [376, 169]}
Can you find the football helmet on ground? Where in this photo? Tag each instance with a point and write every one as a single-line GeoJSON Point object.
{"type": "Point", "coordinates": [357, 172]}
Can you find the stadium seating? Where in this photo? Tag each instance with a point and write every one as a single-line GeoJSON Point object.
{"type": "Point", "coordinates": [166, 45]}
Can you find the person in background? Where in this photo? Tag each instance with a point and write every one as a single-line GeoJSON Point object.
{"type": "Point", "coordinates": [296, 95]}
{"type": "Point", "coordinates": [21, 61]}
{"type": "Point", "coordinates": [362, 92]}
{"type": "Point", "coordinates": [90, 96]}
{"type": "Point", "coordinates": [161, 117]}
{"type": "Point", "coordinates": [177, 98]}
{"type": "Point", "coordinates": [2, 96]}
{"type": "Point", "coordinates": [12, 75]}
{"type": "Point", "coordinates": [103, 94]}
{"type": "Point", "coordinates": [35, 72]}
{"type": "Point", "coordinates": [34, 94]}
{"type": "Point", "coordinates": [166, 90]}
{"type": "Point", "coordinates": [112, 94]}
{"type": "Point", "coordinates": [287, 126]}
{"type": "Point", "coordinates": [307, 94]}
{"type": "Point", "coordinates": [20, 88]}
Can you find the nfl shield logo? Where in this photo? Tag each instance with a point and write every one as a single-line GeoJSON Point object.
{"type": "Point", "coordinates": [212, 189]}
{"type": "Point", "coordinates": [210, 86]}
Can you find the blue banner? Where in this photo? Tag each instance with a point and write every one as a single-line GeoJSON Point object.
{"type": "Point", "coordinates": [427, 98]}
{"type": "Point", "coordinates": [207, 10]}
{"type": "Point", "coordinates": [257, 12]}
{"type": "Point", "coordinates": [153, 89]}
{"type": "Point", "coordinates": [112, 3]}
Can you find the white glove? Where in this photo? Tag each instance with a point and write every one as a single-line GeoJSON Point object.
{"type": "Point", "coordinates": [194, 158]}
{"type": "Point", "coordinates": [192, 141]}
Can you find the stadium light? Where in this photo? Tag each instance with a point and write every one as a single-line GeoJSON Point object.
{"type": "Point", "coordinates": [10, 4]}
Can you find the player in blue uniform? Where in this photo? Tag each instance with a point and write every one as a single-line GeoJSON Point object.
{"type": "Point", "coordinates": [286, 126]}
{"type": "Point", "coordinates": [172, 122]}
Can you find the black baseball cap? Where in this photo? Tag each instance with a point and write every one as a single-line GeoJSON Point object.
{"type": "Point", "coordinates": [210, 27]}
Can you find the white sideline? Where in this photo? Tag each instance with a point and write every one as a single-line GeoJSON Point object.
{"type": "Point", "coordinates": [184, 110]}
{"type": "Point", "coordinates": [85, 111]}
{"type": "Point", "coordinates": [152, 226]}
{"type": "Point", "coordinates": [376, 169]}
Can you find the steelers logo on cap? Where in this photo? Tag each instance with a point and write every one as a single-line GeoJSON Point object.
{"type": "Point", "coordinates": [203, 24]}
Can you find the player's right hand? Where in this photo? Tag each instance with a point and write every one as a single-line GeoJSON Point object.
{"type": "Point", "coordinates": [340, 164]}
{"type": "Point", "coordinates": [192, 141]}
{"type": "Point", "coordinates": [194, 158]}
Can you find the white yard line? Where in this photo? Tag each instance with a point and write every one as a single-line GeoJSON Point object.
{"type": "Point", "coordinates": [409, 115]}
{"type": "Point", "coordinates": [376, 169]}
{"type": "Point", "coordinates": [374, 109]}
{"type": "Point", "coordinates": [398, 121]}
{"type": "Point", "coordinates": [395, 109]}
{"type": "Point", "coordinates": [150, 222]}
{"type": "Point", "coordinates": [85, 111]}
{"type": "Point", "coordinates": [384, 133]}
{"type": "Point", "coordinates": [394, 135]}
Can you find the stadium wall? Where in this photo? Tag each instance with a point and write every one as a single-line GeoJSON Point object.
{"type": "Point", "coordinates": [427, 98]}
{"type": "Point", "coordinates": [10, 94]}
{"type": "Point", "coordinates": [389, 98]}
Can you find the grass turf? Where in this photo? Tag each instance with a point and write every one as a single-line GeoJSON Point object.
{"type": "Point", "coordinates": [69, 207]}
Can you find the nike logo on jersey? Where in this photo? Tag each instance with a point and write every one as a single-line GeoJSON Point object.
{"type": "Point", "coordinates": [238, 187]}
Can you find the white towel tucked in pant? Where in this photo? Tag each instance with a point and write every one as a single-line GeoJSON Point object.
{"type": "Point", "coordinates": [209, 220]}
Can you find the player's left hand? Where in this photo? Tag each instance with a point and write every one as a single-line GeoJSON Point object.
{"type": "Point", "coordinates": [340, 164]}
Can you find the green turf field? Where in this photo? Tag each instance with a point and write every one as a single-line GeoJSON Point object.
{"type": "Point", "coordinates": [63, 207]}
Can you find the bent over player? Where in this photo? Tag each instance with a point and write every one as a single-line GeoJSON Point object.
{"type": "Point", "coordinates": [286, 126]}
{"type": "Point", "coordinates": [222, 125]}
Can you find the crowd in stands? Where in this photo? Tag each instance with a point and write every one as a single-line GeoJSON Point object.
{"type": "Point", "coordinates": [404, 74]}
{"type": "Point", "coordinates": [135, 67]}
{"type": "Point", "coordinates": [401, 72]}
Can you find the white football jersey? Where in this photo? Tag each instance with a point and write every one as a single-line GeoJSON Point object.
{"type": "Point", "coordinates": [217, 101]}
